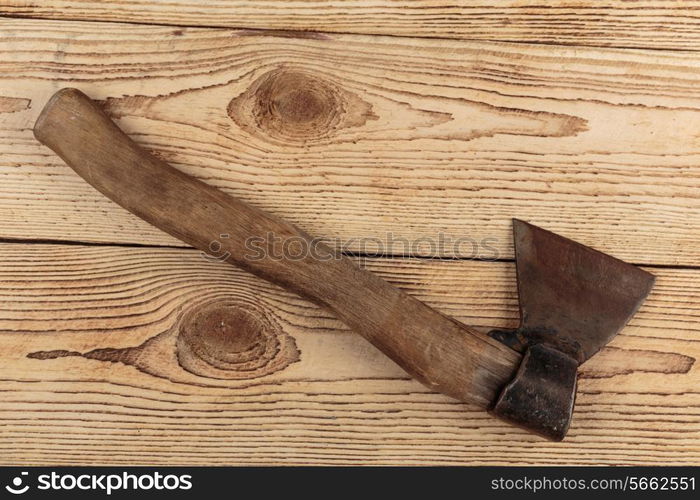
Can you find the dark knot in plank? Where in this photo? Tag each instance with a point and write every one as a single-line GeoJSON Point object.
{"type": "Point", "coordinates": [224, 338]}
{"type": "Point", "coordinates": [297, 106]}
{"type": "Point", "coordinates": [232, 339]}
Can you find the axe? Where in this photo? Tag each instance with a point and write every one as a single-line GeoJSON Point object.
{"type": "Point", "coordinates": [573, 299]}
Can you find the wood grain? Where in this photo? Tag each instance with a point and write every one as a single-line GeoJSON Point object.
{"type": "Point", "coordinates": [396, 138]}
{"type": "Point", "coordinates": [632, 23]}
{"type": "Point", "coordinates": [400, 141]}
{"type": "Point", "coordinates": [91, 358]}
{"type": "Point", "coordinates": [445, 355]}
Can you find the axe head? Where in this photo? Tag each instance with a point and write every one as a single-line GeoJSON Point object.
{"type": "Point", "coordinates": [573, 301]}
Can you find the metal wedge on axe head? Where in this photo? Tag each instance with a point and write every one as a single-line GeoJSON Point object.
{"type": "Point", "coordinates": [573, 299]}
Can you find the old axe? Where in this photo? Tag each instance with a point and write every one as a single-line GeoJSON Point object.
{"type": "Point", "coordinates": [573, 299]}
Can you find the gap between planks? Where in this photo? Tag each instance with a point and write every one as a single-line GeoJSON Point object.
{"type": "Point", "coordinates": [354, 255]}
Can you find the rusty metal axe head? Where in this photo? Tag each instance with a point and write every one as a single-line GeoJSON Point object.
{"type": "Point", "coordinates": [573, 301]}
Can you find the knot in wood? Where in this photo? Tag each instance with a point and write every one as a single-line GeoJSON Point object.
{"type": "Point", "coordinates": [297, 106]}
{"type": "Point", "coordinates": [231, 339]}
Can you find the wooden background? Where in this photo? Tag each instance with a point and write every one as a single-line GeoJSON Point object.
{"type": "Point", "coordinates": [419, 119]}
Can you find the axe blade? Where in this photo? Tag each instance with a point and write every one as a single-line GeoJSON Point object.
{"type": "Point", "coordinates": [572, 297]}
{"type": "Point", "coordinates": [573, 301]}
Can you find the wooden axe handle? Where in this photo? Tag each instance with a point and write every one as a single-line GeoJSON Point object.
{"type": "Point", "coordinates": [440, 352]}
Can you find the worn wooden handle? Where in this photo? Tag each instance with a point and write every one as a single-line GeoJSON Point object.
{"type": "Point", "coordinates": [437, 350]}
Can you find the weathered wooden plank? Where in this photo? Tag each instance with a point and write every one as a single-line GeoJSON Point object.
{"type": "Point", "coordinates": [636, 23]}
{"type": "Point", "coordinates": [357, 137]}
{"type": "Point", "coordinates": [96, 369]}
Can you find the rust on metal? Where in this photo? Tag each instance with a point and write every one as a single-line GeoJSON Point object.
{"type": "Point", "coordinates": [573, 301]}
{"type": "Point", "coordinates": [541, 396]}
